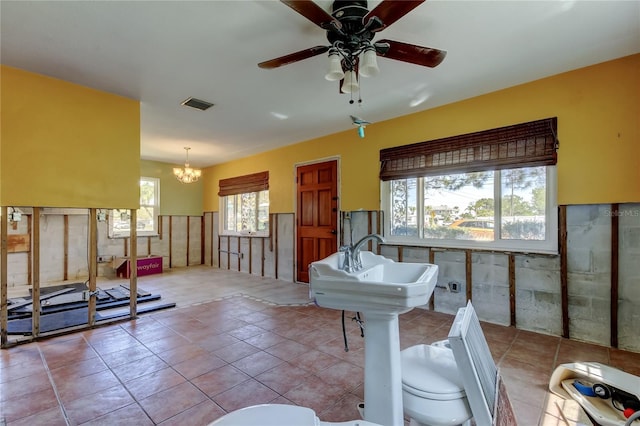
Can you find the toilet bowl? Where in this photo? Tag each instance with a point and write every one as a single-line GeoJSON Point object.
{"type": "Point", "coordinates": [432, 389]}
{"type": "Point", "coordinates": [279, 415]}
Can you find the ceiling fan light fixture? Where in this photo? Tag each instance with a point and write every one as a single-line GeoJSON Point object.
{"type": "Point", "coordinates": [350, 83]}
{"type": "Point", "coordinates": [369, 63]}
{"type": "Point", "coordinates": [335, 72]}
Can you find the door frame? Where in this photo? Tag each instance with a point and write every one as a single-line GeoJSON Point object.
{"type": "Point", "coordinates": [337, 159]}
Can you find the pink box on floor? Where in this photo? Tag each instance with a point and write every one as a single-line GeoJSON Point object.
{"type": "Point", "coordinates": [148, 265]}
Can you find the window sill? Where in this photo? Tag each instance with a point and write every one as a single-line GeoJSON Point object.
{"type": "Point", "coordinates": [245, 234]}
{"type": "Point", "coordinates": [139, 235]}
{"type": "Point", "coordinates": [479, 248]}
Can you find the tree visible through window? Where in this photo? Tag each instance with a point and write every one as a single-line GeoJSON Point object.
{"type": "Point", "coordinates": [247, 212]}
{"type": "Point", "coordinates": [463, 206]}
{"type": "Point", "coordinates": [146, 215]}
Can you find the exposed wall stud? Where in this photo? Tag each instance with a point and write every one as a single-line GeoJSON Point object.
{"type": "Point", "coordinates": [250, 255]}
{"type": "Point", "coordinates": [202, 239]}
{"type": "Point", "coordinates": [469, 277]}
{"type": "Point", "coordinates": [170, 241]}
{"type": "Point", "coordinates": [564, 290]}
{"type": "Point", "coordinates": [93, 264]}
{"type": "Point", "coordinates": [219, 253]}
{"type": "Point", "coordinates": [4, 302]}
{"type": "Point", "coordinates": [65, 248]}
{"type": "Point", "coordinates": [275, 243]}
{"type": "Point", "coordinates": [35, 295]}
{"type": "Point", "coordinates": [133, 276]}
{"type": "Point", "coordinates": [211, 239]}
{"type": "Point", "coordinates": [615, 229]}
{"type": "Point", "coordinates": [432, 260]}
{"type": "Point", "coordinates": [512, 289]}
{"type": "Point", "coordinates": [29, 260]}
{"type": "Point", "coordinates": [239, 239]}
{"type": "Point", "coordinates": [188, 237]}
{"type": "Point", "coordinates": [262, 257]}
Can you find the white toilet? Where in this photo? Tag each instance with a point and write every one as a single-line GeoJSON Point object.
{"type": "Point", "coordinates": [432, 388]}
{"type": "Point", "coordinates": [279, 415]}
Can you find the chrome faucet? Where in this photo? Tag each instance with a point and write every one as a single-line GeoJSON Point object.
{"type": "Point", "coordinates": [352, 261]}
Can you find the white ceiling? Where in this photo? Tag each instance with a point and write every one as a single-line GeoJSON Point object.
{"type": "Point", "coordinates": [161, 52]}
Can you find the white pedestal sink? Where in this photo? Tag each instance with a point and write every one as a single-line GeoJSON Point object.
{"type": "Point", "coordinates": [381, 290]}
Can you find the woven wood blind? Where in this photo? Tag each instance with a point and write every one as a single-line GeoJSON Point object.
{"type": "Point", "coordinates": [521, 145]}
{"type": "Point", "coordinates": [242, 184]}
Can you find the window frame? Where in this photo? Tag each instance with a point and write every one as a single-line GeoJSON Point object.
{"type": "Point", "coordinates": [113, 233]}
{"type": "Point", "coordinates": [237, 187]}
{"type": "Point", "coordinates": [547, 246]}
{"type": "Point", "coordinates": [223, 220]}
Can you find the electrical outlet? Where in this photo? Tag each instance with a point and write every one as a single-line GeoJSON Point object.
{"type": "Point", "coordinates": [454, 287]}
{"type": "Point", "coordinates": [105, 259]}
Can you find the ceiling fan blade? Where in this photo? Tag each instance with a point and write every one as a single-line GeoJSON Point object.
{"type": "Point", "coordinates": [293, 57]}
{"type": "Point", "coordinates": [314, 13]}
{"type": "Point", "coordinates": [425, 56]}
{"type": "Point", "coordinates": [389, 11]}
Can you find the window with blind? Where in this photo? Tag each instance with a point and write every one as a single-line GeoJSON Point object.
{"type": "Point", "coordinates": [244, 205]}
{"type": "Point", "coordinates": [494, 190]}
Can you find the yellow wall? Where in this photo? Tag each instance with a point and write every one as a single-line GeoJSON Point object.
{"type": "Point", "coordinates": [65, 145]}
{"type": "Point", "coordinates": [598, 110]}
{"type": "Point", "coordinates": [176, 198]}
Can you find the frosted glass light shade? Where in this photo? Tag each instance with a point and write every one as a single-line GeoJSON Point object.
{"type": "Point", "coordinates": [369, 63]}
{"type": "Point", "coordinates": [335, 72]}
{"type": "Point", "coordinates": [350, 84]}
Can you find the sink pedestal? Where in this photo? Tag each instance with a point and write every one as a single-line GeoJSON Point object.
{"type": "Point", "coordinates": [382, 372]}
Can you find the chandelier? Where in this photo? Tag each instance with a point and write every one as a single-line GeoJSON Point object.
{"type": "Point", "coordinates": [188, 174]}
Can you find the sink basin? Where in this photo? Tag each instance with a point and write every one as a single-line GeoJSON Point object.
{"type": "Point", "coordinates": [382, 285]}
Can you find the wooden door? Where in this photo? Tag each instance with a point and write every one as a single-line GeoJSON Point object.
{"type": "Point", "coordinates": [317, 214]}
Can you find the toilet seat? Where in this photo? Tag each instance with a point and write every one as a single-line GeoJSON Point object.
{"type": "Point", "coordinates": [431, 372]}
{"type": "Point", "coordinates": [269, 415]}
{"type": "Point", "coordinates": [279, 415]}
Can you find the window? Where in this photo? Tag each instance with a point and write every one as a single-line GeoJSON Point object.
{"type": "Point", "coordinates": [490, 190]}
{"type": "Point", "coordinates": [146, 215]}
{"type": "Point", "coordinates": [244, 205]}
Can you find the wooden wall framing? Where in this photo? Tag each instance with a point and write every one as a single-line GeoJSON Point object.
{"type": "Point", "coordinates": [33, 263]}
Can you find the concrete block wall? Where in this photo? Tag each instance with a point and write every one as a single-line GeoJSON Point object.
{"type": "Point", "coordinates": [538, 294]}
{"type": "Point", "coordinates": [490, 274]}
{"type": "Point", "coordinates": [589, 272]}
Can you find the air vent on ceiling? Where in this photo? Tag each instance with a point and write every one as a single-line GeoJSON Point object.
{"type": "Point", "coordinates": [197, 104]}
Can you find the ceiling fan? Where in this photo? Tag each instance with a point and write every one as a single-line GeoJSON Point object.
{"type": "Point", "coordinates": [350, 29]}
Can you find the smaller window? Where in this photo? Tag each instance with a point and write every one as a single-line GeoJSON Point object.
{"type": "Point", "coordinates": [246, 213]}
{"type": "Point", "coordinates": [146, 215]}
{"type": "Point", "coordinates": [244, 205]}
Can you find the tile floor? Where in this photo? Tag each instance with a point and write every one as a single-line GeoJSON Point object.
{"type": "Point", "coordinates": [236, 340]}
